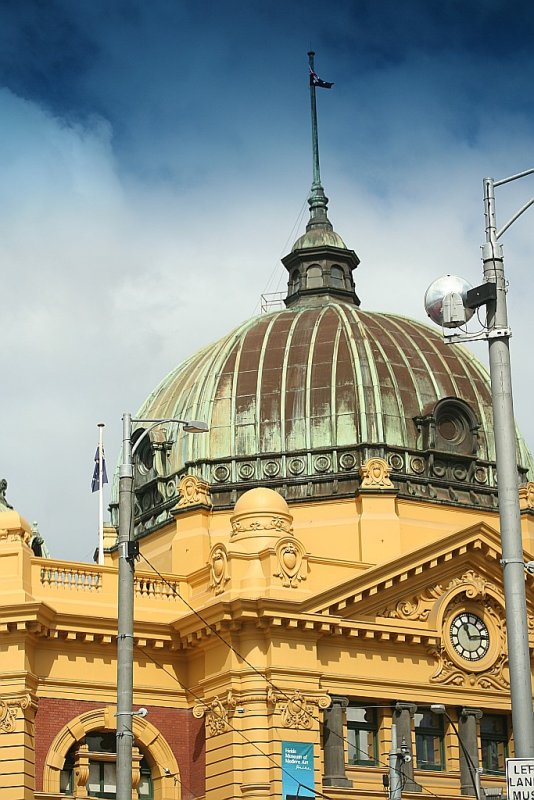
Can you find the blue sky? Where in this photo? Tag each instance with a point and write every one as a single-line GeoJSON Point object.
{"type": "Point", "coordinates": [155, 158]}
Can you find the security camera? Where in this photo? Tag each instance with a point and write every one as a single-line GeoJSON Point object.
{"type": "Point", "coordinates": [142, 712]}
{"type": "Point", "coordinates": [406, 757]}
{"type": "Point", "coordinates": [529, 566]}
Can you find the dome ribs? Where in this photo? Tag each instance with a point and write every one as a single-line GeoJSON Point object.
{"type": "Point", "coordinates": [246, 388]}
{"type": "Point", "coordinates": [222, 407]}
{"type": "Point", "coordinates": [270, 393]}
{"type": "Point", "coordinates": [454, 369]}
{"type": "Point", "coordinates": [421, 371]}
{"type": "Point", "coordinates": [396, 382]}
{"type": "Point", "coordinates": [299, 398]}
{"type": "Point", "coordinates": [296, 366]}
{"type": "Point", "coordinates": [367, 382]}
{"type": "Point", "coordinates": [319, 381]}
{"type": "Point", "coordinates": [347, 420]}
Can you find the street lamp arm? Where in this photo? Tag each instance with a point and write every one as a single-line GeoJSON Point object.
{"type": "Point", "coordinates": [516, 216]}
{"type": "Point", "coordinates": [154, 424]}
{"type": "Point", "coordinates": [514, 177]}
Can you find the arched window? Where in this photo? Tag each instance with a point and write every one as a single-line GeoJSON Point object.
{"type": "Point", "coordinates": [152, 758]}
{"type": "Point", "coordinates": [98, 751]}
{"type": "Point", "coordinates": [294, 282]}
{"type": "Point", "coordinates": [337, 278]}
{"type": "Point", "coordinates": [314, 277]}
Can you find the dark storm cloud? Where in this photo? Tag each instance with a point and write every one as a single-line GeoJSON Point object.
{"type": "Point", "coordinates": [154, 155]}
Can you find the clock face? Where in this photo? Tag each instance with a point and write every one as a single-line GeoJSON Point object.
{"type": "Point", "coordinates": [469, 636]}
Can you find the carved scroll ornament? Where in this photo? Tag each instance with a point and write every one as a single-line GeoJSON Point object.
{"type": "Point", "coordinates": [297, 710]}
{"type": "Point", "coordinates": [375, 474]}
{"type": "Point", "coordinates": [292, 562]}
{"type": "Point", "coordinates": [218, 568]}
{"type": "Point", "coordinates": [216, 713]}
{"type": "Point", "coordinates": [193, 492]}
{"type": "Point", "coordinates": [418, 608]}
{"type": "Point", "coordinates": [9, 709]}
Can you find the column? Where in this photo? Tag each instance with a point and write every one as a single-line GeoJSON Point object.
{"type": "Point", "coordinates": [467, 730]}
{"type": "Point", "coordinates": [402, 717]}
{"type": "Point", "coordinates": [334, 744]}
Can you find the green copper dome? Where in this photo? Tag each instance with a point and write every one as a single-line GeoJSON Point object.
{"type": "Point", "coordinates": [319, 237]}
{"type": "Point", "coordinates": [298, 399]}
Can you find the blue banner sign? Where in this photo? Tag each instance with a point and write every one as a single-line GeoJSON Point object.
{"type": "Point", "coordinates": [297, 770]}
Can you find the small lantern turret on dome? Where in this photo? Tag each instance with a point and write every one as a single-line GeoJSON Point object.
{"type": "Point", "coordinates": [320, 265]}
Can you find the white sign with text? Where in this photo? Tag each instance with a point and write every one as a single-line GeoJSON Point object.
{"type": "Point", "coordinates": [520, 778]}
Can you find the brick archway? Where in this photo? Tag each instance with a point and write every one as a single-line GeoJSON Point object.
{"type": "Point", "coordinates": [154, 746]}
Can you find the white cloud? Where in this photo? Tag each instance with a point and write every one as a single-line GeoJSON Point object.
{"type": "Point", "coordinates": [108, 281]}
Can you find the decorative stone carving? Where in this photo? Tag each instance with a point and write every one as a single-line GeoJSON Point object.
{"type": "Point", "coordinates": [216, 713]}
{"type": "Point", "coordinates": [3, 502]}
{"type": "Point", "coordinates": [396, 462]}
{"type": "Point", "coordinates": [218, 568]}
{"type": "Point", "coordinates": [495, 675]}
{"type": "Point", "coordinates": [418, 465]}
{"type": "Point", "coordinates": [418, 608]}
{"type": "Point", "coordinates": [375, 474]}
{"type": "Point", "coordinates": [193, 492]}
{"type": "Point", "coordinates": [526, 495]}
{"type": "Point", "coordinates": [449, 674]}
{"type": "Point", "coordinates": [292, 562]}
{"type": "Point", "coordinates": [8, 711]}
{"type": "Point", "coordinates": [269, 523]}
{"type": "Point", "coordinates": [297, 711]}
{"type": "Point", "coordinates": [81, 771]}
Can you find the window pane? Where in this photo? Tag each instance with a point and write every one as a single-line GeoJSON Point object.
{"type": "Point", "coordinates": [361, 714]}
{"type": "Point", "coordinates": [144, 787]}
{"type": "Point", "coordinates": [428, 740]}
{"type": "Point", "coordinates": [65, 781]}
{"type": "Point", "coordinates": [110, 777]}
{"type": "Point", "coordinates": [93, 783]}
{"type": "Point", "coordinates": [494, 741]}
{"type": "Point", "coordinates": [314, 277]}
{"type": "Point", "coordinates": [493, 724]}
{"type": "Point", "coordinates": [361, 735]}
{"type": "Point", "coordinates": [337, 278]}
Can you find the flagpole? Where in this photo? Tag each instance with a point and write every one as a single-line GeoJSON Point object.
{"type": "Point", "coordinates": [100, 493]}
{"type": "Point", "coordinates": [315, 136]}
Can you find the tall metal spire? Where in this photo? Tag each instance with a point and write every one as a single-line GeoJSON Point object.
{"type": "Point", "coordinates": [317, 200]}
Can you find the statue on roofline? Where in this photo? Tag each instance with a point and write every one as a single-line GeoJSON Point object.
{"type": "Point", "coordinates": [4, 505]}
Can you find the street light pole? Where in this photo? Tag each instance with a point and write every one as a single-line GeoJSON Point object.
{"type": "Point", "coordinates": [125, 618]}
{"type": "Point", "coordinates": [506, 458]}
{"type": "Point", "coordinates": [125, 627]}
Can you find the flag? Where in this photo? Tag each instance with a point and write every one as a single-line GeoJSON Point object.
{"type": "Point", "coordinates": [315, 80]}
{"type": "Point", "coordinates": [95, 484]}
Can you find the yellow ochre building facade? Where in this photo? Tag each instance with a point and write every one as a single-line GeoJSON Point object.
{"type": "Point", "coordinates": [315, 572]}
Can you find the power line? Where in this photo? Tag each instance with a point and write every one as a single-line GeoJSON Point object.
{"type": "Point", "coordinates": [232, 727]}
{"type": "Point", "coordinates": [261, 674]}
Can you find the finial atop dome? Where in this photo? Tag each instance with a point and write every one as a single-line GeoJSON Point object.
{"type": "Point", "coordinates": [317, 200]}
{"type": "Point", "coordinates": [320, 264]}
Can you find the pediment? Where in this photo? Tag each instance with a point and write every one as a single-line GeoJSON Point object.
{"type": "Point", "coordinates": [431, 594]}
{"type": "Point", "coordinates": [408, 588]}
